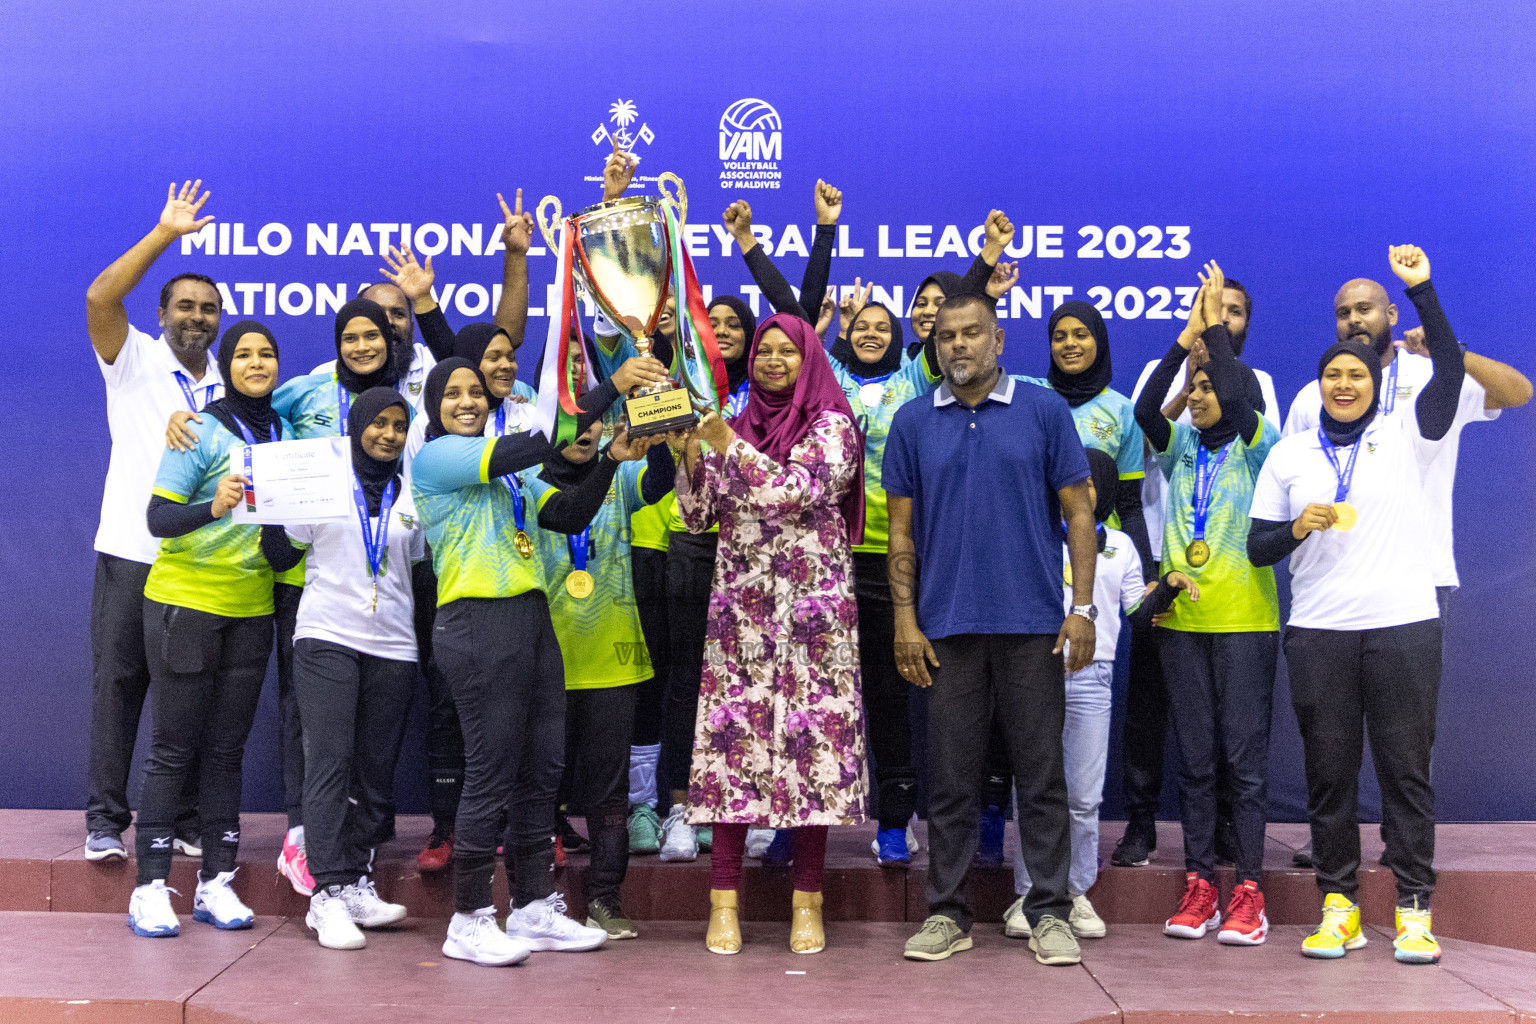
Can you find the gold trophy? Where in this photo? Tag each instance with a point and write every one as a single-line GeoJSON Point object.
{"type": "Point", "coordinates": [622, 252]}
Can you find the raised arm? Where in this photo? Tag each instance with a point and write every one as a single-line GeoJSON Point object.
{"type": "Point", "coordinates": [415, 281]}
{"type": "Point", "coordinates": [1504, 387]}
{"type": "Point", "coordinates": [999, 236]}
{"type": "Point", "coordinates": [1438, 400]}
{"type": "Point", "coordinates": [517, 236]}
{"type": "Point", "coordinates": [106, 318]}
{"type": "Point", "coordinates": [738, 221]}
{"type": "Point", "coordinates": [813, 286]}
{"type": "Point", "coordinates": [571, 511]}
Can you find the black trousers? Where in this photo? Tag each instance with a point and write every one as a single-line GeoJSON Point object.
{"type": "Point", "coordinates": [1221, 691]}
{"type": "Point", "coordinates": [1384, 683]}
{"type": "Point", "coordinates": [598, 730]}
{"type": "Point", "coordinates": [445, 740]}
{"type": "Point", "coordinates": [503, 663]}
{"type": "Point", "coordinates": [886, 704]}
{"type": "Point", "coordinates": [290, 733]}
{"type": "Point", "coordinates": [1145, 732]}
{"type": "Point", "coordinates": [354, 707]}
{"type": "Point", "coordinates": [648, 568]}
{"type": "Point", "coordinates": [205, 673]}
{"type": "Point", "coordinates": [690, 576]}
{"type": "Point", "coordinates": [119, 684]}
{"type": "Point", "coordinates": [1017, 674]}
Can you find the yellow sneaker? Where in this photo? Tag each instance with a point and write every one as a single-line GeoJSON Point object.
{"type": "Point", "coordinates": [1340, 930]}
{"type": "Point", "coordinates": [1415, 943]}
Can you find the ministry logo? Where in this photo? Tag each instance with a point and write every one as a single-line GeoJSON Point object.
{"type": "Point", "coordinates": [622, 114]}
{"type": "Point", "coordinates": [751, 145]}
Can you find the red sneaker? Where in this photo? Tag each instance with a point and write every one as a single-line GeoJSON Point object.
{"type": "Point", "coordinates": [559, 853]}
{"type": "Point", "coordinates": [436, 855]}
{"type": "Point", "coordinates": [293, 865]}
{"type": "Point", "coordinates": [1197, 911]}
{"type": "Point", "coordinates": [1246, 923]}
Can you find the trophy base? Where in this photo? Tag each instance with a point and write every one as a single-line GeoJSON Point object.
{"type": "Point", "coordinates": [659, 412]}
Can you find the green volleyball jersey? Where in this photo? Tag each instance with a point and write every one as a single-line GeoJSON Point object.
{"type": "Point", "coordinates": [600, 637]}
{"type": "Point", "coordinates": [218, 568]}
{"type": "Point", "coordinates": [1235, 595]}
{"type": "Point", "coordinates": [470, 520]}
{"type": "Point", "coordinates": [1107, 421]}
{"type": "Point", "coordinates": [312, 405]}
{"type": "Point", "coordinates": [874, 406]}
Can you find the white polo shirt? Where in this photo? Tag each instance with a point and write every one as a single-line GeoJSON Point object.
{"type": "Point", "coordinates": [337, 605]}
{"type": "Point", "coordinates": [415, 379]}
{"type": "Point", "coordinates": [144, 386]}
{"type": "Point", "coordinates": [1117, 586]}
{"type": "Point", "coordinates": [1154, 488]}
{"type": "Point", "coordinates": [1375, 575]}
{"type": "Point", "coordinates": [1414, 371]}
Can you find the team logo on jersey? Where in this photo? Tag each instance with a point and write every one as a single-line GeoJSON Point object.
{"type": "Point", "coordinates": [622, 114]}
{"type": "Point", "coordinates": [323, 419]}
{"type": "Point", "coordinates": [1101, 430]}
{"type": "Point", "coordinates": [751, 145]}
{"type": "Point", "coordinates": [409, 522]}
{"type": "Point", "coordinates": [1370, 447]}
{"type": "Point", "coordinates": [414, 387]}
{"type": "Point", "coordinates": [1108, 552]}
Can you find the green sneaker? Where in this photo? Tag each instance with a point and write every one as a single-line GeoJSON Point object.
{"type": "Point", "coordinates": [940, 936]}
{"type": "Point", "coordinates": [644, 829]}
{"type": "Point", "coordinates": [706, 837]}
{"type": "Point", "coordinates": [1053, 942]}
{"type": "Point", "coordinates": [611, 921]}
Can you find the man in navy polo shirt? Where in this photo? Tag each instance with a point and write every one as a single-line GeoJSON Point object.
{"type": "Point", "coordinates": [979, 481]}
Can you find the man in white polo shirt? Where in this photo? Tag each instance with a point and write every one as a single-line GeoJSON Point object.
{"type": "Point", "coordinates": [147, 380]}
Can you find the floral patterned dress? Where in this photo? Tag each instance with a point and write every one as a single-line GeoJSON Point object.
{"type": "Point", "coordinates": [779, 738]}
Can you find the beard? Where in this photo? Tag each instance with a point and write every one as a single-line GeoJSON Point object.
{"type": "Point", "coordinates": [176, 336]}
{"type": "Point", "coordinates": [1237, 342]}
{"type": "Point", "coordinates": [967, 374]}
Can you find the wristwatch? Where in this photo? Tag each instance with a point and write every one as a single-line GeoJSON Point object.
{"type": "Point", "coordinates": [1087, 611]}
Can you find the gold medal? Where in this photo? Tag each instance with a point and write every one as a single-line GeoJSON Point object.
{"type": "Point", "coordinates": [1348, 516]}
{"type": "Point", "coordinates": [579, 584]}
{"type": "Point", "coordinates": [523, 544]}
{"type": "Point", "coordinates": [1198, 553]}
{"type": "Point", "coordinates": [375, 593]}
{"type": "Point", "coordinates": [1066, 574]}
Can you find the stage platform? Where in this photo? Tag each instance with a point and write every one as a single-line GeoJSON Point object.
{"type": "Point", "coordinates": [1486, 891]}
{"type": "Point", "coordinates": [66, 954]}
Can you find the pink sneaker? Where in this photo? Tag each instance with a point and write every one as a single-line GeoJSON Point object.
{"type": "Point", "coordinates": [294, 866]}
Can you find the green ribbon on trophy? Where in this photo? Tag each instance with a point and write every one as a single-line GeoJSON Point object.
{"type": "Point", "coordinates": [627, 255]}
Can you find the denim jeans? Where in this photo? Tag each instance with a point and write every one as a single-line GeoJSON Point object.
{"type": "Point", "coordinates": [1085, 749]}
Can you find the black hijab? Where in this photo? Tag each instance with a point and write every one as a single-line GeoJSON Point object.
{"type": "Point", "coordinates": [949, 283]}
{"type": "Point", "coordinates": [1226, 428]}
{"type": "Point", "coordinates": [372, 474]}
{"type": "Point", "coordinates": [255, 413]}
{"type": "Point", "coordinates": [890, 362]}
{"type": "Point", "coordinates": [562, 473]}
{"type": "Point", "coordinates": [1348, 433]}
{"type": "Point", "coordinates": [1106, 483]}
{"type": "Point", "coordinates": [473, 339]}
{"type": "Point", "coordinates": [437, 383]}
{"type": "Point", "coordinates": [386, 376]}
{"type": "Point", "coordinates": [1078, 388]}
{"type": "Point", "coordinates": [736, 370]}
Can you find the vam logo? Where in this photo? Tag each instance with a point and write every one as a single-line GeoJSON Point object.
{"type": "Point", "coordinates": [751, 145]}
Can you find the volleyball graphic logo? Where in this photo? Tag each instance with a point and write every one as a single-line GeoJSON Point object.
{"type": "Point", "coordinates": [751, 145]}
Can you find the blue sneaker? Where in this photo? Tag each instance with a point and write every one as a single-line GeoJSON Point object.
{"type": "Point", "coordinates": [780, 852]}
{"type": "Point", "coordinates": [893, 850]}
{"type": "Point", "coordinates": [104, 845]}
{"type": "Point", "coordinates": [989, 848]}
{"type": "Point", "coordinates": [150, 913]}
{"type": "Point", "coordinates": [215, 903]}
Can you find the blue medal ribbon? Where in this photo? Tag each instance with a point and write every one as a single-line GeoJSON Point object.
{"type": "Point", "coordinates": [1389, 393]}
{"type": "Point", "coordinates": [1206, 472]}
{"type": "Point", "coordinates": [579, 544]}
{"type": "Point", "coordinates": [375, 544]}
{"type": "Point", "coordinates": [186, 389]}
{"type": "Point", "coordinates": [344, 405]}
{"type": "Point", "coordinates": [1347, 473]}
{"type": "Point", "coordinates": [250, 474]}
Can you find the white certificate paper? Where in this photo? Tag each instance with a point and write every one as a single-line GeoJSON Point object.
{"type": "Point", "coordinates": [307, 481]}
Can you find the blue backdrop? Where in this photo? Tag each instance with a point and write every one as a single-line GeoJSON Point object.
{"type": "Point", "coordinates": [1293, 141]}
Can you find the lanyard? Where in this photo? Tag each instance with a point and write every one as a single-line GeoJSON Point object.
{"type": "Point", "coordinates": [186, 389]}
{"type": "Point", "coordinates": [1346, 474]}
{"type": "Point", "coordinates": [579, 544]}
{"type": "Point", "coordinates": [737, 401]}
{"type": "Point", "coordinates": [250, 474]}
{"type": "Point", "coordinates": [375, 545]}
{"type": "Point", "coordinates": [1389, 396]}
{"type": "Point", "coordinates": [1206, 471]}
{"type": "Point", "coordinates": [344, 404]}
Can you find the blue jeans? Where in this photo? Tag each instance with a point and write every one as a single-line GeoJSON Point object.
{"type": "Point", "coordinates": [1085, 749]}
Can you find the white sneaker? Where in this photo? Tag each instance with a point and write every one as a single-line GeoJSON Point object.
{"type": "Point", "coordinates": [215, 903]}
{"type": "Point", "coordinates": [544, 926]}
{"type": "Point", "coordinates": [328, 918]}
{"type": "Point", "coordinates": [1015, 924]}
{"type": "Point", "coordinates": [758, 840]}
{"type": "Point", "coordinates": [1085, 921]}
{"type": "Point", "coordinates": [475, 937]}
{"type": "Point", "coordinates": [150, 913]}
{"type": "Point", "coordinates": [678, 841]}
{"type": "Point", "coordinates": [365, 907]}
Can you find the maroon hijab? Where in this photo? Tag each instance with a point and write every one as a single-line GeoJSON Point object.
{"type": "Point", "coordinates": [774, 422]}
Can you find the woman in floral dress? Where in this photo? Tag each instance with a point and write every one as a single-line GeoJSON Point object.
{"type": "Point", "coordinates": [779, 738]}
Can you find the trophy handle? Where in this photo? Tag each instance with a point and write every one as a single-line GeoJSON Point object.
{"type": "Point", "coordinates": [547, 227]}
{"type": "Point", "coordinates": [679, 201]}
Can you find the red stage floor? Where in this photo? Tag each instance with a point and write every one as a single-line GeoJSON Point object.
{"type": "Point", "coordinates": [80, 963]}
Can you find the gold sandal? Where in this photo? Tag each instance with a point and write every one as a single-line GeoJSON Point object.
{"type": "Point", "coordinates": [806, 934]}
{"type": "Point", "coordinates": [724, 935]}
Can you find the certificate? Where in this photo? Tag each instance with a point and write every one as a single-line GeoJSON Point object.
{"type": "Point", "coordinates": [305, 481]}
